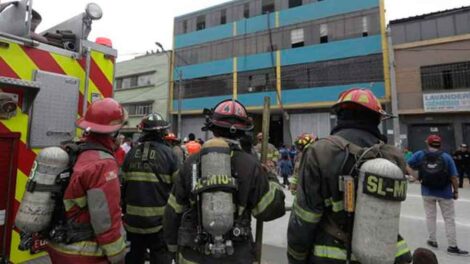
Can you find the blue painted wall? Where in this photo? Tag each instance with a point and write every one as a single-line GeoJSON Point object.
{"type": "Point", "coordinates": [255, 24]}
{"type": "Point", "coordinates": [297, 96]}
{"type": "Point", "coordinates": [256, 62]}
{"type": "Point", "coordinates": [333, 50]}
{"type": "Point", "coordinates": [313, 11]}
{"type": "Point", "coordinates": [252, 99]}
{"type": "Point", "coordinates": [315, 53]}
{"type": "Point", "coordinates": [202, 36]}
{"type": "Point", "coordinates": [205, 69]}
{"type": "Point", "coordinates": [323, 9]}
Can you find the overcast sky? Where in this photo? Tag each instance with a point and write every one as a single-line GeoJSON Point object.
{"type": "Point", "coordinates": [135, 25]}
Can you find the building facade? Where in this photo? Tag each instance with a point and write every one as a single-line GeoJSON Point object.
{"type": "Point", "coordinates": [300, 53]}
{"type": "Point", "coordinates": [432, 59]}
{"type": "Point", "coordinates": [142, 86]}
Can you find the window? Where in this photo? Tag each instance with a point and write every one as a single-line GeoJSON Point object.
{"type": "Point", "coordinates": [267, 6]}
{"type": "Point", "coordinates": [201, 22]}
{"type": "Point", "coordinates": [134, 81]}
{"type": "Point", "coordinates": [206, 86]}
{"type": "Point", "coordinates": [294, 3]}
{"type": "Point", "coordinates": [365, 26]}
{"type": "Point", "coordinates": [297, 38]}
{"type": "Point", "coordinates": [323, 33]}
{"type": "Point", "coordinates": [256, 81]}
{"type": "Point", "coordinates": [139, 109]}
{"type": "Point", "coordinates": [331, 73]}
{"type": "Point", "coordinates": [146, 80]}
{"type": "Point", "coordinates": [223, 17]}
{"type": "Point", "coordinates": [185, 26]}
{"type": "Point", "coordinates": [446, 76]}
{"type": "Point", "coordinates": [118, 84]}
{"type": "Point", "coordinates": [246, 10]}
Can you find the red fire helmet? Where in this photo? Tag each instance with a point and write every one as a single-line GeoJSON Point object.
{"type": "Point", "coordinates": [103, 116]}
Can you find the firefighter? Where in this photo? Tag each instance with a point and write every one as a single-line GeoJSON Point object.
{"type": "Point", "coordinates": [255, 194]}
{"type": "Point", "coordinates": [319, 230]}
{"type": "Point", "coordinates": [302, 142]}
{"type": "Point", "coordinates": [92, 197]}
{"type": "Point", "coordinates": [175, 144]}
{"type": "Point", "coordinates": [273, 153]}
{"type": "Point", "coordinates": [148, 172]}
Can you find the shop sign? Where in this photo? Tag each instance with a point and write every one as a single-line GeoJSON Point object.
{"type": "Point", "coordinates": [446, 102]}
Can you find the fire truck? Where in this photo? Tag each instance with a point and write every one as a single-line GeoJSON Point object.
{"type": "Point", "coordinates": [47, 79]}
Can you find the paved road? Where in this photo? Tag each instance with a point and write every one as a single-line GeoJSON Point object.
{"type": "Point", "coordinates": [412, 227]}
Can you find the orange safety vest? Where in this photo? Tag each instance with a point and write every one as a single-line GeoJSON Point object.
{"type": "Point", "coordinates": [193, 147]}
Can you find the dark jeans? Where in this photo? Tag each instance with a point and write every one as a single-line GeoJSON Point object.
{"type": "Point", "coordinates": [462, 171]}
{"type": "Point", "coordinates": [154, 243]}
{"type": "Point", "coordinates": [285, 179]}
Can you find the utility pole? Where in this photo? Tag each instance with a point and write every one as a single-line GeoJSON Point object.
{"type": "Point", "coordinates": [394, 93]}
{"type": "Point", "coordinates": [264, 158]}
{"type": "Point", "coordinates": [180, 103]}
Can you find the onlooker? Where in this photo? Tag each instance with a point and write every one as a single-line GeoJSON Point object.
{"type": "Point", "coordinates": [407, 154]}
{"type": "Point", "coordinates": [285, 169]}
{"type": "Point", "coordinates": [424, 256]}
{"type": "Point", "coordinates": [439, 184]}
{"type": "Point", "coordinates": [283, 150]}
{"type": "Point", "coordinates": [462, 160]}
{"type": "Point", "coordinates": [119, 155]}
{"type": "Point", "coordinates": [200, 141]}
{"type": "Point", "coordinates": [292, 154]}
{"type": "Point", "coordinates": [127, 145]}
{"type": "Point", "coordinates": [192, 147]}
{"type": "Point", "coordinates": [273, 153]}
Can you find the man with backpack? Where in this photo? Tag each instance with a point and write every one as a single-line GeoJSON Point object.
{"type": "Point", "coordinates": [218, 190]}
{"type": "Point", "coordinates": [148, 175]}
{"type": "Point", "coordinates": [320, 227]}
{"type": "Point", "coordinates": [439, 184]}
{"type": "Point", "coordinates": [91, 230]}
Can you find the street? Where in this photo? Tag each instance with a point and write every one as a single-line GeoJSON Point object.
{"type": "Point", "coordinates": [412, 227]}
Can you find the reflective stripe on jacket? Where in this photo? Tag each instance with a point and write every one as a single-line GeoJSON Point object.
{"type": "Point", "coordinates": [319, 198]}
{"type": "Point", "coordinates": [146, 193]}
{"type": "Point", "coordinates": [256, 195]}
{"type": "Point", "coordinates": [93, 197]}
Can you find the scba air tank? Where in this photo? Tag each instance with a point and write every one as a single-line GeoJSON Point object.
{"type": "Point", "coordinates": [381, 189]}
{"type": "Point", "coordinates": [37, 206]}
{"type": "Point", "coordinates": [217, 199]}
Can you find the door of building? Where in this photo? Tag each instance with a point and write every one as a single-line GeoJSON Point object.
{"type": "Point", "coordinates": [276, 135]}
{"type": "Point", "coordinates": [466, 133]}
{"type": "Point", "coordinates": [417, 135]}
{"type": "Point", "coordinates": [8, 167]}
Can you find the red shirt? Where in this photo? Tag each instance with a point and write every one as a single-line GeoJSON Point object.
{"type": "Point", "coordinates": [193, 147]}
{"type": "Point", "coordinates": [120, 155]}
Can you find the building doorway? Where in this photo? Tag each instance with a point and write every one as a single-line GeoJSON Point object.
{"type": "Point", "coordinates": [466, 133]}
{"type": "Point", "coordinates": [276, 129]}
{"type": "Point", "coordinates": [417, 135]}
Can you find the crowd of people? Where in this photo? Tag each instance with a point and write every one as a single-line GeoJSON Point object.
{"type": "Point", "coordinates": [193, 201]}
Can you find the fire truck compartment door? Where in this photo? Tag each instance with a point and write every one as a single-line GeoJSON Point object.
{"type": "Point", "coordinates": [54, 111]}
